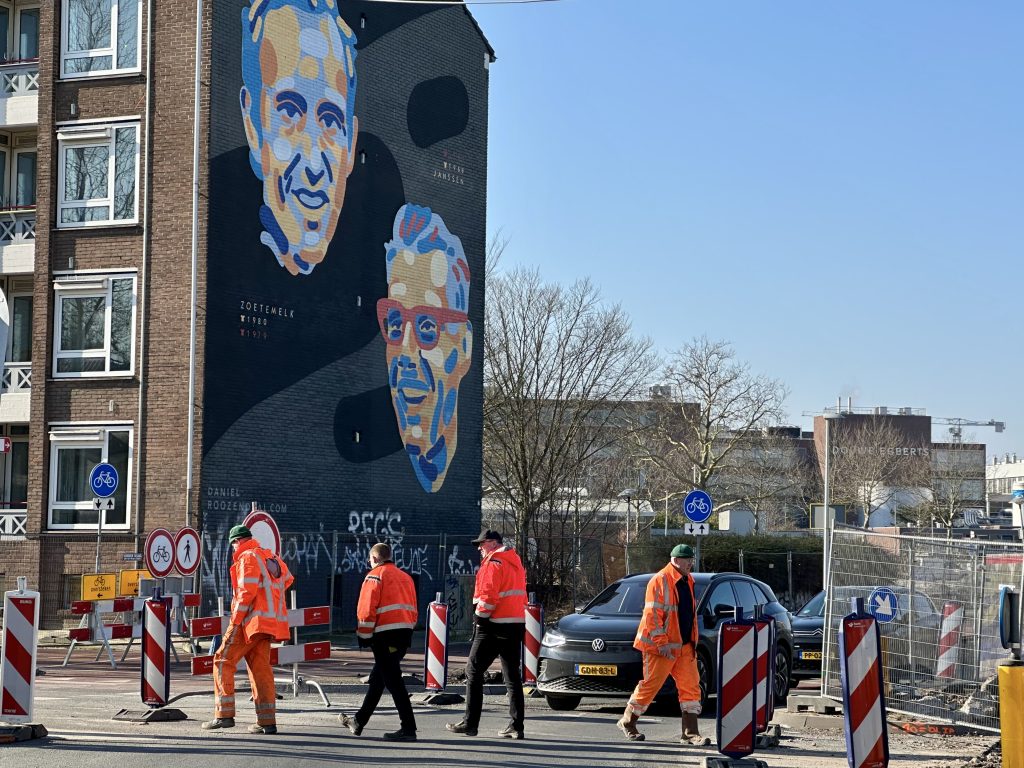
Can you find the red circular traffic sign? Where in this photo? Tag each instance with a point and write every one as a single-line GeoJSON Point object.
{"type": "Point", "coordinates": [264, 530]}
{"type": "Point", "coordinates": [186, 551]}
{"type": "Point", "coordinates": [159, 553]}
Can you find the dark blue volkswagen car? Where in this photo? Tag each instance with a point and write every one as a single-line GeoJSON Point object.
{"type": "Point", "coordinates": [591, 653]}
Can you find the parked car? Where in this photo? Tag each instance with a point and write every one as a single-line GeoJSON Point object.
{"type": "Point", "coordinates": [809, 623]}
{"type": "Point", "coordinates": [591, 653]}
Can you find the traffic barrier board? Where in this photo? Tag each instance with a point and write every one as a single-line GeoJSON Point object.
{"type": "Point", "coordinates": [864, 718]}
{"type": "Point", "coordinates": [279, 656]}
{"type": "Point", "coordinates": [736, 723]}
{"type": "Point", "coordinates": [435, 658]}
{"type": "Point", "coordinates": [156, 652]}
{"type": "Point", "coordinates": [18, 666]}
{"type": "Point", "coordinates": [531, 642]}
{"type": "Point", "coordinates": [949, 640]}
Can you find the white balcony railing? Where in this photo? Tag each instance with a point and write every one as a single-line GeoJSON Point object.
{"type": "Point", "coordinates": [19, 78]}
{"type": "Point", "coordinates": [17, 377]}
{"type": "Point", "coordinates": [18, 225]}
{"type": "Point", "coordinates": [13, 522]}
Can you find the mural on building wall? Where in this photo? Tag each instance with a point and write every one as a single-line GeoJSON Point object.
{"type": "Point", "coordinates": [340, 374]}
{"type": "Point", "coordinates": [429, 336]}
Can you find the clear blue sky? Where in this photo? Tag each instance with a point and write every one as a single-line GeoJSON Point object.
{"type": "Point", "coordinates": [837, 188]}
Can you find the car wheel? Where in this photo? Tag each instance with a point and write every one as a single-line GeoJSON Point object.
{"type": "Point", "coordinates": [563, 703]}
{"type": "Point", "coordinates": [704, 675]}
{"type": "Point", "coordinates": [782, 680]}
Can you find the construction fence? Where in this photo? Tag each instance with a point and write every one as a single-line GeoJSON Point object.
{"type": "Point", "coordinates": [941, 648]}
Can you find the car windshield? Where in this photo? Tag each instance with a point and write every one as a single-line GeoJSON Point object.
{"type": "Point", "coordinates": [626, 598]}
{"type": "Point", "coordinates": [814, 607]}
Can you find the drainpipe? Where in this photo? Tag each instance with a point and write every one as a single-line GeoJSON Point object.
{"type": "Point", "coordinates": [195, 259]}
{"type": "Point", "coordinates": [143, 281]}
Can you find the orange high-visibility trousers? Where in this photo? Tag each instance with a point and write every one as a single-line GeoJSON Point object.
{"type": "Point", "coordinates": [657, 668]}
{"type": "Point", "coordinates": [256, 652]}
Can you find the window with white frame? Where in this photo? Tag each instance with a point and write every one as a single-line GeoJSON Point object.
{"type": "Point", "coordinates": [98, 174]}
{"type": "Point", "coordinates": [100, 37]}
{"type": "Point", "coordinates": [74, 451]}
{"type": "Point", "coordinates": [94, 326]}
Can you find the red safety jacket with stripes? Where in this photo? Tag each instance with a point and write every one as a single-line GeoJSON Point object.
{"type": "Point", "coordinates": [387, 601]}
{"type": "Point", "coordinates": [500, 593]}
{"type": "Point", "coordinates": [659, 625]}
{"type": "Point", "coordinates": [259, 580]}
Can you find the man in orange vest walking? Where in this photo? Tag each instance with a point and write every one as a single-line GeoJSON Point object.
{"type": "Point", "coordinates": [500, 618]}
{"type": "Point", "coordinates": [259, 580]}
{"type": "Point", "coordinates": [386, 616]}
{"type": "Point", "coordinates": [667, 640]}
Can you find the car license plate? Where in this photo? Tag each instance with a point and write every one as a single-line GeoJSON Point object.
{"type": "Point", "coordinates": [811, 655]}
{"type": "Point", "coordinates": [599, 670]}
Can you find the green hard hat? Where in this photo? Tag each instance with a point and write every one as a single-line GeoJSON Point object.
{"type": "Point", "coordinates": [682, 550]}
{"type": "Point", "coordinates": [239, 532]}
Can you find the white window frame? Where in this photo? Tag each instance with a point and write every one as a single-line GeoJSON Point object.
{"type": "Point", "coordinates": [90, 285]}
{"type": "Point", "coordinates": [78, 436]}
{"type": "Point", "coordinates": [94, 135]}
{"type": "Point", "coordinates": [111, 51]}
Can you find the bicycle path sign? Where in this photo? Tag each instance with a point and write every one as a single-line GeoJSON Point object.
{"type": "Point", "coordinates": [103, 480]}
{"type": "Point", "coordinates": [159, 553]}
{"type": "Point", "coordinates": [697, 506]}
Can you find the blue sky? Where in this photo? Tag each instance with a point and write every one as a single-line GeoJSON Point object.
{"type": "Point", "coordinates": [835, 188]}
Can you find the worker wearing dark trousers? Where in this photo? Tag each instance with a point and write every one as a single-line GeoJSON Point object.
{"type": "Point", "coordinates": [490, 642]}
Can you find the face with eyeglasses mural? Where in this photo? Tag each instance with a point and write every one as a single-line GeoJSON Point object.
{"type": "Point", "coordinates": [298, 66]}
{"type": "Point", "coordinates": [428, 336]}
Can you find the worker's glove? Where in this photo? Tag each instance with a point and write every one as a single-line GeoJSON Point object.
{"type": "Point", "coordinates": [665, 651]}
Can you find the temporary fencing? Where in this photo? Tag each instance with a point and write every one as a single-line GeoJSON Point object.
{"type": "Point", "coordinates": [941, 649]}
{"type": "Point", "coordinates": [20, 641]}
{"type": "Point", "coordinates": [435, 657]}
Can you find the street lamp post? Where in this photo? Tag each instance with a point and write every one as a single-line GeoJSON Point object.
{"type": "Point", "coordinates": [627, 495]}
{"type": "Point", "coordinates": [827, 520]}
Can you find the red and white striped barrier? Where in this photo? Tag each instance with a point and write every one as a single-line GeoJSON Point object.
{"type": "Point", "coordinates": [156, 652]}
{"type": "Point", "coordinates": [20, 640]}
{"type": "Point", "coordinates": [735, 728]}
{"type": "Point", "coordinates": [949, 640]}
{"type": "Point", "coordinates": [531, 641]}
{"type": "Point", "coordinates": [96, 633]}
{"type": "Point", "coordinates": [860, 652]}
{"type": "Point", "coordinates": [435, 658]}
{"type": "Point", "coordinates": [765, 673]}
{"type": "Point", "coordinates": [279, 655]}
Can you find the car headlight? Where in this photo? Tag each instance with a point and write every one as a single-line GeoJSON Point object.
{"type": "Point", "coordinates": [553, 639]}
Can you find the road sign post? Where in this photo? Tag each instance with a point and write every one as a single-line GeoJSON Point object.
{"type": "Point", "coordinates": [697, 506]}
{"type": "Point", "coordinates": [103, 481]}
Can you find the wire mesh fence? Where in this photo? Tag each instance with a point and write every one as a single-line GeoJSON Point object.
{"type": "Point", "coordinates": [937, 603]}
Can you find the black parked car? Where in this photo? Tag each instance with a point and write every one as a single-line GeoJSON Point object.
{"type": "Point", "coordinates": [591, 653]}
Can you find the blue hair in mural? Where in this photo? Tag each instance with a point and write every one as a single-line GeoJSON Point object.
{"type": "Point", "coordinates": [298, 109]}
{"type": "Point", "coordinates": [425, 322]}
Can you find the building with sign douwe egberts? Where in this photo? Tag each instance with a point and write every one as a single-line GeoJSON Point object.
{"type": "Point", "coordinates": [284, 306]}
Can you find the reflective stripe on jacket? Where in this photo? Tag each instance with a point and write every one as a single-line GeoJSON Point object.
{"type": "Point", "coordinates": [387, 601]}
{"type": "Point", "coordinates": [500, 593]}
{"type": "Point", "coordinates": [258, 597]}
{"type": "Point", "coordinates": [659, 625]}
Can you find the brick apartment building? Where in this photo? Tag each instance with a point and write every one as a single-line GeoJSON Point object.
{"type": "Point", "coordinates": [335, 252]}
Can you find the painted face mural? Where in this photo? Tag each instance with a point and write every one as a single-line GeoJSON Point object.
{"type": "Point", "coordinates": [298, 97]}
{"type": "Point", "coordinates": [429, 338]}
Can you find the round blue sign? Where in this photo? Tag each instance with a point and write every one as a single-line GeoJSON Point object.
{"type": "Point", "coordinates": [883, 605]}
{"type": "Point", "coordinates": [103, 480]}
{"type": "Point", "coordinates": [697, 506]}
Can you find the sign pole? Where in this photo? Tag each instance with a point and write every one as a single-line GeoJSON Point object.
{"type": "Point", "coordinates": [99, 534]}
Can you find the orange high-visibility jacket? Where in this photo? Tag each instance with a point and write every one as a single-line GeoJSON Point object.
{"type": "Point", "coordinates": [500, 593]}
{"type": "Point", "coordinates": [387, 601]}
{"type": "Point", "coordinates": [258, 602]}
{"type": "Point", "coordinates": [659, 625]}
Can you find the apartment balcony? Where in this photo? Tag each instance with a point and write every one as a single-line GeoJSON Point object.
{"type": "Point", "coordinates": [19, 92]}
{"type": "Point", "coordinates": [17, 240]}
{"type": "Point", "coordinates": [16, 393]}
{"type": "Point", "coordinates": [13, 521]}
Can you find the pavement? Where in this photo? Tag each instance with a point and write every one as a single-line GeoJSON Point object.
{"type": "Point", "coordinates": [76, 703]}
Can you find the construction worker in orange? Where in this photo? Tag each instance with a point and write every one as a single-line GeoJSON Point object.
{"type": "Point", "coordinates": [259, 580]}
{"type": "Point", "coordinates": [500, 623]}
{"type": "Point", "coordinates": [667, 640]}
{"type": "Point", "coordinates": [386, 615]}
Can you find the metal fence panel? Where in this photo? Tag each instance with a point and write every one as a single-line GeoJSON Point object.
{"type": "Point", "coordinates": [941, 648]}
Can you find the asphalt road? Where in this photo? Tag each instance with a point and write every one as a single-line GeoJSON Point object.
{"type": "Point", "coordinates": [76, 703]}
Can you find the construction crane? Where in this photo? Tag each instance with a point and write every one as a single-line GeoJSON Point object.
{"type": "Point", "coordinates": [956, 426]}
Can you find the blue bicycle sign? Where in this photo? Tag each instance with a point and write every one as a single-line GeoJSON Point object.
{"type": "Point", "coordinates": [697, 506]}
{"type": "Point", "coordinates": [103, 480]}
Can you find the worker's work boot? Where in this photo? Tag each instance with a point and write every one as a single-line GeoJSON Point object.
{"type": "Point", "coordinates": [218, 723]}
{"type": "Point", "coordinates": [269, 730]}
{"type": "Point", "coordinates": [691, 734]}
{"type": "Point", "coordinates": [628, 725]}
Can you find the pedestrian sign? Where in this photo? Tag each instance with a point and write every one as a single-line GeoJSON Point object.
{"type": "Point", "coordinates": [128, 581]}
{"type": "Point", "coordinates": [697, 506]}
{"type": "Point", "coordinates": [99, 586]}
{"type": "Point", "coordinates": [186, 551]}
{"type": "Point", "coordinates": [103, 480]}
{"type": "Point", "coordinates": [883, 605]}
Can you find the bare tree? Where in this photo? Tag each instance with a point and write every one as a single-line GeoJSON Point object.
{"type": "Point", "coordinates": [560, 369]}
{"type": "Point", "coordinates": [716, 403]}
{"type": "Point", "coordinates": [872, 470]}
{"type": "Point", "coordinates": [957, 481]}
